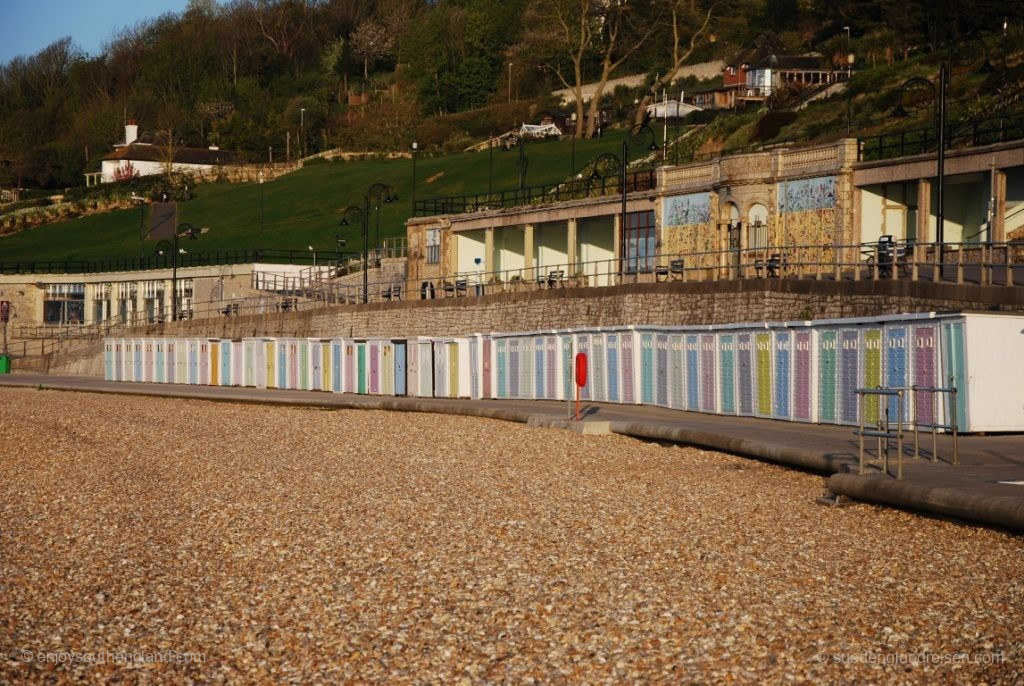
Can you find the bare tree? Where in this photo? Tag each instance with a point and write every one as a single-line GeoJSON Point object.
{"type": "Point", "coordinates": [684, 20]}
{"type": "Point", "coordinates": [591, 29]}
{"type": "Point", "coordinates": [285, 24]}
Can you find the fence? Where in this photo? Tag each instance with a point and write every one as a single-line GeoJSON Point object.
{"type": "Point", "coordinates": [577, 189]}
{"type": "Point", "coordinates": [919, 141]}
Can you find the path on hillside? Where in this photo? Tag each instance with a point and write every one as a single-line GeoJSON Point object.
{"type": "Point", "coordinates": [975, 490]}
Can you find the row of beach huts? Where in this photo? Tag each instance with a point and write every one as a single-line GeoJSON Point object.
{"type": "Point", "coordinates": [805, 371]}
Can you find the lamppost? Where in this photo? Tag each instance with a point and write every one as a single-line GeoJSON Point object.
{"type": "Point", "coordinates": [572, 165]}
{"type": "Point", "coordinates": [510, 82]}
{"type": "Point", "coordinates": [355, 214]}
{"type": "Point", "coordinates": [849, 74]}
{"type": "Point", "coordinates": [415, 147]}
{"type": "Point", "coordinates": [302, 132]}
{"type": "Point", "coordinates": [380, 193]}
{"type": "Point", "coordinates": [184, 230]}
{"type": "Point", "coordinates": [141, 202]}
{"type": "Point", "coordinates": [917, 94]}
{"type": "Point", "coordinates": [523, 162]}
{"type": "Point", "coordinates": [261, 207]}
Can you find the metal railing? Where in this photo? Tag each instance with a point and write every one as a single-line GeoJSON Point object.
{"type": "Point", "coordinates": [979, 263]}
{"type": "Point", "coordinates": [990, 264]}
{"type": "Point", "coordinates": [574, 189]}
{"type": "Point", "coordinates": [884, 432]}
{"type": "Point", "coordinates": [919, 141]}
{"type": "Point", "coordinates": [198, 259]}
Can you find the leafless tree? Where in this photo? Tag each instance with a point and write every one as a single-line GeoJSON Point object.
{"type": "Point", "coordinates": [688, 29]}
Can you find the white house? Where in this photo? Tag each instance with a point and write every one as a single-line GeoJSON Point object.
{"type": "Point", "coordinates": [147, 155]}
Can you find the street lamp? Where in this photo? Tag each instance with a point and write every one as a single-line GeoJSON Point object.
{"type": "Point", "coordinates": [141, 202]}
{"type": "Point", "coordinates": [185, 230]}
{"type": "Point", "coordinates": [355, 214]}
{"type": "Point", "coordinates": [849, 74]}
{"type": "Point", "coordinates": [302, 132]}
{"type": "Point", "coordinates": [380, 193]}
{"type": "Point", "coordinates": [415, 147]}
{"type": "Point", "coordinates": [261, 207]}
{"type": "Point", "coordinates": [572, 164]}
{"type": "Point", "coordinates": [917, 94]}
{"type": "Point", "coordinates": [510, 82]}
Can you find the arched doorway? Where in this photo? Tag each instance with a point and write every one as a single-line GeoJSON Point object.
{"type": "Point", "coordinates": [757, 227]}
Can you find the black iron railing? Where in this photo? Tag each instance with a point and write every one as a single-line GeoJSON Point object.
{"type": "Point", "coordinates": [574, 189]}
{"type": "Point", "coordinates": [198, 259]}
{"type": "Point", "coordinates": [971, 133]}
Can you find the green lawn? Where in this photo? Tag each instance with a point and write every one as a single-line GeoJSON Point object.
{"type": "Point", "coordinates": [304, 208]}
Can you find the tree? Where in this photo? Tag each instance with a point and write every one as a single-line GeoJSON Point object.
{"type": "Point", "coordinates": [607, 32]}
{"type": "Point", "coordinates": [371, 41]}
{"type": "Point", "coordinates": [688, 29]}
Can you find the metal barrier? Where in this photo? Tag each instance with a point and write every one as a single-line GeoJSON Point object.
{"type": "Point", "coordinates": [883, 431]}
{"type": "Point", "coordinates": [951, 426]}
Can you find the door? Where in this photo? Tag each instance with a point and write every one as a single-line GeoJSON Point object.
{"type": "Point", "coordinates": [361, 368]}
{"type": "Point", "coordinates": [374, 354]}
{"type": "Point", "coordinates": [316, 358]}
{"type": "Point", "coordinates": [727, 374]}
{"type": "Point", "coordinates": [708, 350]}
{"type": "Point", "coordinates": [400, 368]}
{"type": "Point", "coordinates": [802, 361]}
{"type": "Point", "coordinates": [453, 370]}
{"type": "Point", "coordinates": [487, 345]}
{"type": "Point", "coordinates": [763, 373]}
{"type": "Point", "coordinates": [303, 376]}
{"type": "Point", "coordinates": [661, 345]}
{"type": "Point", "coordinates": [782, 378]}
{"type": "Point", "coordinates": [215, 363]}
{"type": "Point", "coordinates": [692, 373]}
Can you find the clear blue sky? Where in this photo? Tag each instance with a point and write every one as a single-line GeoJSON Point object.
{"type": "Point", "coordinates": [28, 26]}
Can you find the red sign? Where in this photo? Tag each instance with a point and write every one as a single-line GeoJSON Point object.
{"type": "Point", "coordinates": [581, 369]}
{"type": "Point", "coordinates": [5, 311]}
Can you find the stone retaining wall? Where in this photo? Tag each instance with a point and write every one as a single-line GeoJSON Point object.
{"type": "Point", "coordinates": [660, 303]}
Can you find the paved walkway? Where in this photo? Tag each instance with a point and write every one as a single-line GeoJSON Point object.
{"type": "Point", "coordinates": [974, 490]}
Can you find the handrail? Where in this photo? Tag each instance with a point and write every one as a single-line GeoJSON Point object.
{"type": "Point", "coordinates": [884, 433]}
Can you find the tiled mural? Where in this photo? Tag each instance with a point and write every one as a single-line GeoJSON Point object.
{"type": "Point", "coordinates": [687, 224]}
{"type": "Point", "coordinates": [808, 218]}
{"type": "Point", "coordinates": [807, 194]}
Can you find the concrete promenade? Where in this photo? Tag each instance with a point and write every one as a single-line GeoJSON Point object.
{"type": "Point", "coordinates": [973, 491]}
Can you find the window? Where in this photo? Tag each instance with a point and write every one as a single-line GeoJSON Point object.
{"type": "Point", "coordinates": [638, 242]}
{"type": "Point", "coordinates": [64, 303]}
{"type": "Point", "coordinates": [433, 246]}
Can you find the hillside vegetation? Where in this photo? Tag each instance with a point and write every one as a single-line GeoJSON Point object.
{"type": "Point", "coordinates": [243, 85]}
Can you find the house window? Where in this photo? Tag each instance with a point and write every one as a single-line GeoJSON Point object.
{"type": "Point", "coordinates": [433, 246]}
{"type": "Point", "coordinates": [638, 242]}
{"type": "Point", "coordinates": [64, 303]}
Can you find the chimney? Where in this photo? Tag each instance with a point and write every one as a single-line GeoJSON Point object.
{"type": "Point", "coordinates": [131, 132]}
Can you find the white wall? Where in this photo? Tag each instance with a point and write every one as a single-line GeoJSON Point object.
{"type": "Point", "coordinates": [108, 167]}
{"type": "Point", "coordinates": [596, 243]}
{"type": "Point", "coordinates": [509, 246]}
{"type": "Point", "coordinates": [469, 245]}
{"type": "Point", "coordinates": [551, 247]}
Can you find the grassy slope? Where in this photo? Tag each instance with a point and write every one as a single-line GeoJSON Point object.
{"type": "Point", "coordinates": [304, 208]}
